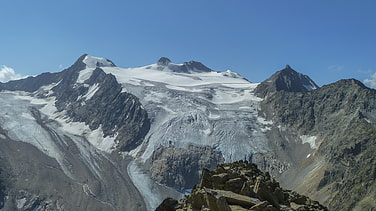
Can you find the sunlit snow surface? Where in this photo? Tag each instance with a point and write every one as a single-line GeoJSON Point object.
{"type": "Point", "coordinates": [217, 109]}
{"type": "Point", "coordinates": [17, 119]}
{"type": "Point", "coordinates": [311, 140]}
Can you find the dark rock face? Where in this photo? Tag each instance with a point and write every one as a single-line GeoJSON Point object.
{"type": "Point", "coordinates": [194, 66]}
{"type": "Point", "coordinates": [116, 111]}
{"type": "Point", "coordinates": [285, 80]}
{"type": "Point", "coordinates": [167, 205]}
{"type": "Point", "coordinates": [343, 116]}
{"type": "Point", "coordinates": [319, 111]}
{"type": "Point", "coordinates": [2, 186]}
{"type": "Point", "coordinates": [242, 186]}
{"type": "Point", "coordinates": [163, 61]}
{"type": "Point", "coordinates": [177, 167]}
{"type": "Point", "coordinates": [87, 178]}
{"type": "Point", "coordinates": [30, 84]}
{"type": "Point", "coordinates": [32, 180]}
{"type": "Point", "coordinates": [187, 67]}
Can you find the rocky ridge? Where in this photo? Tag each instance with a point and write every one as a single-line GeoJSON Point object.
{"type": "Point", "coordinates": [187, 67]}
{"type": "Point", "coordinates": [240, 186]}
{"type": "Point", "coordinates": [97, 101]}
{"type": "Point", "coordinates": [44, 165]}
{"type": "Point", "coordinates": [288, 80]}
{"type": "Point", "coordinates": [323, 138]}
{"type": "Point", "coordinates": [340, 171]}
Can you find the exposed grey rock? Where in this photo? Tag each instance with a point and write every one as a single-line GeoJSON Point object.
{"type": "Point", "coordinates": [76, 175]}
{"type": "Point", "coordinates": [288, 80]}
{"type": "Point", "coordinates": [179, 168]}
{"type": "Point", "coordinates": [265, 189]}
{"type": "Point", "coordinates": [194, 66]}
{"type": "Point", "coordinates": [186, 67]}
{"type": "Point", "coordinates": [163, 61]}
{"type": "Point", "coordinates": [342, 117]}
{"type": "Point", "coordinates": [115, 111]}
{"type": "Point", "coordinates": [35, 181]}
{"type": "Point", "coordinates": [168, 204]}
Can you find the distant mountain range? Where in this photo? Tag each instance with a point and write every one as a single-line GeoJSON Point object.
{"type": "Point", "coordinates": [99, 137]}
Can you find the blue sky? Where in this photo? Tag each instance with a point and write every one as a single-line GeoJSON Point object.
{"type": "Point", "coordinates": [327, 40]}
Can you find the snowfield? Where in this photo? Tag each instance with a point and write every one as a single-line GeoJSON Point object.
{"type": "Point", "coordinates": [199, 107]}
{"type": "Point", "coordinates": [216, 109]}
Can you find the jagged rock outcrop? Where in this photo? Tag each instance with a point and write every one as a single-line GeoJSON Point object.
{"type": "Point", "coordinates": [115, 111]}
{"type": "Point", "coordinates": [98, 101]}
{"type": "Point", "coordinates": [288, 80]}
{"type": "Point", "coordinates": [194, 66]}
{"type": "Point", "coordinates": [175, 167]}
{"type": "Point", "coordinates": [240, 186]}
{"type": "Point", "coordinates": [187, 67]}
{"type": "Point", "coordinates": [163, 61]}
{"type": "Point", "coordinates": [44, 165]}
{"type": "Point", "coordinates": [341, 117]}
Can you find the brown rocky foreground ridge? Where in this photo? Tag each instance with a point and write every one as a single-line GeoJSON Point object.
{"type": "Point", "coordinates": [240, 186]}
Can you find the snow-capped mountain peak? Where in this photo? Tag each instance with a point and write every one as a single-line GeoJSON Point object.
{"type": "Point", "coordinates": [286, 79]}
{"type": "Point", "coordinates": [165, 64]}
{"type": "Point", "coordinates": [232, 74]}
{"type": "Point", "coordinates": [93, 62]}
{"type": "Point", "coordinates": [163, 61]}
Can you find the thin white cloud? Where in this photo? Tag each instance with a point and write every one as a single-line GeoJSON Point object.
{"type": "Point", "coordinates": [8, 74]}
{"type": "Point", "coordinates": [371, 82]}
{"type": "Point", "coordinates": [336, 68]}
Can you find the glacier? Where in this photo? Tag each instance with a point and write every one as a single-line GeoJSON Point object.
{"type": "Point", "coordinates": [186, 106]}
{"type": "Point", "coordinates": [201, 108]}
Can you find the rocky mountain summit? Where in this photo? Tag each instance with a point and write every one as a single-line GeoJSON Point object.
{"type": "Point", "coordinates": [288, 80]}
{"type": "Point", "coordinates": [165, 64]}
{"type": "Point", "coordinates": [240, 186]}
{"type": "Point", "coordinates": [340, 118]}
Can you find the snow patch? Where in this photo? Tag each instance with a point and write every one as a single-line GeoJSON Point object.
{"type": "Point", "coordinates": [95, 137]}
{"type": "Point", "coordinates": [93, 62]}
{"type": "Point", "coordinates": [184, 89]}
{"type": "Point", "coordinates": [91, 92]}
{"type": "Point", "coordinates": [309, 87]}
{"type": "Point", "coordinates": [214, 116]}
{"type": "Point", "coordinates": [264, 121]}
{"type": "Point", "coordinates": [144, 185]}
{"type": "Point", "coordinates": [311, 140]}
{"type": "Point", "coordinates": [241, 85]}
{"type": "Point", "coordinates": [84, 75]}
{"type": "Point", "coordinates": [20, 202]}
{"type": "Point", "coordinates": [156, 97]}
{"type": "Point", "coordinates": [149, 73]}
{"type": "Point", "coordinates": [25, 128]}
